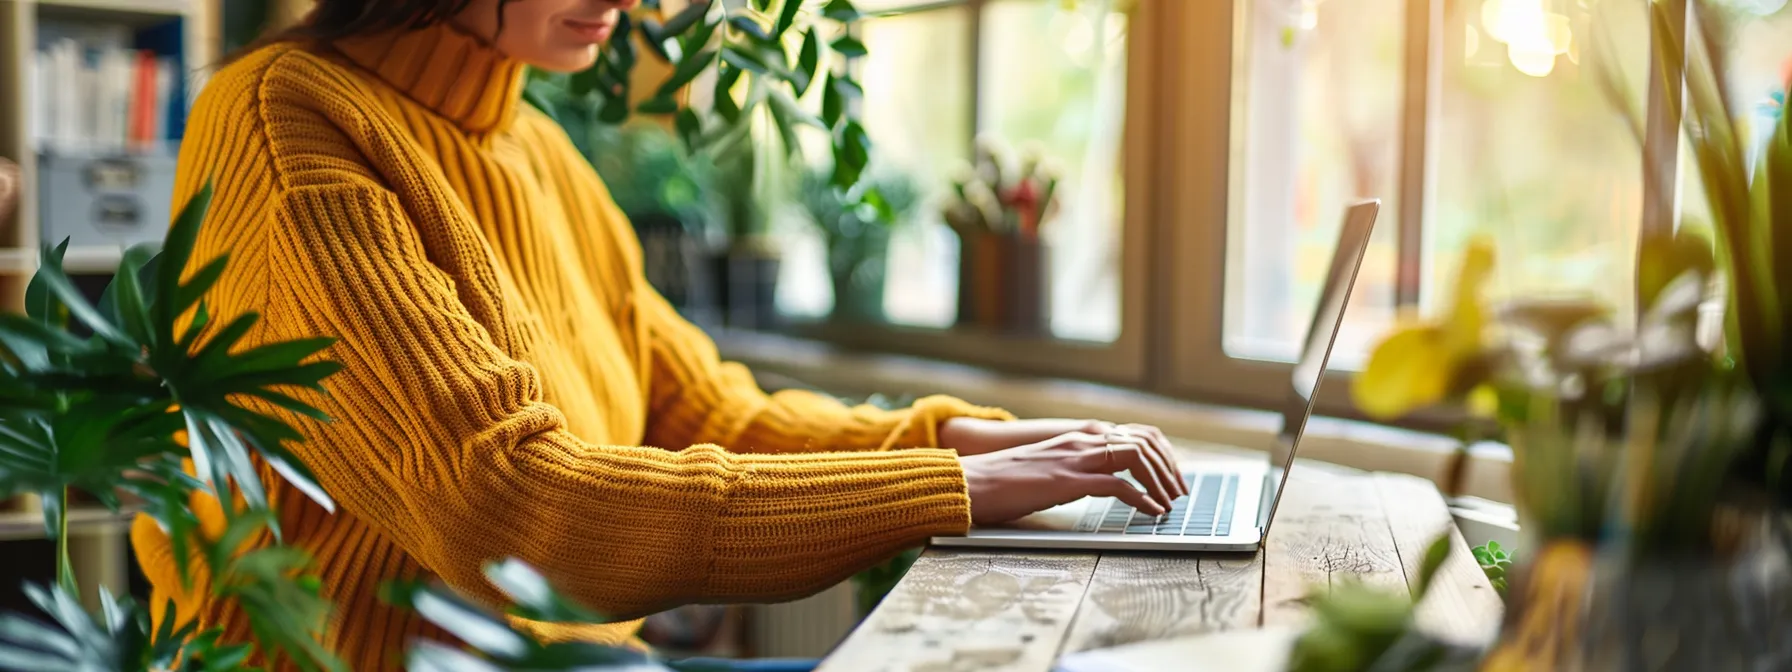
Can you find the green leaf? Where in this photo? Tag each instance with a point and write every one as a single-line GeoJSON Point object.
{"type": "Point", "coordinates": [849, 47]}
{"type": "Point", "coordinates": [177, 250]}
{"type": "Point", "coordinates": [686, 71]}
{"type": "Point", "coordinates": [40, 304]}
{"type": "Point", "coordinates": [723, 97]}
{"type": "Point", "coordinates": [786, 17]}
{"type": "Point", "coordinates": [852, 152]}
{"type": "Point", "coordinates": [195, 328]}
{"type": "Point", "coordinates": [655, 37]}
{"type": "Point", "coordinates": [808, 59]}
{"type": "Point", "coordinates": [658, 105]}
{"type": "Point", "coordinates": [833, 105]}
{"type": "Point", "coordinates": [427, 656]}
{"type": "Point", "coordinates": [130, 307]}
{"type": "Point", "coordinates": [751, 28]}
{"type": "Point", "coordinates": [745, 58]}
{"type": "Point", "coordinates": [587, 80]}
{"type": "Point", "coordinates": [281, 356]}
{"type": "Point", "coordinates": [689, 126]}
{"type": "Point", "coordinates": [478, 629]}
{"type": "Point", "coordinates": [614, 110]}
{"type": "Point", "coordinates": [1435, 555]}
{"type": "Point", "coordinates": [699, 38]}
{"type": "Point", "coordinates": [847, 87]}
{"type": "Point", "coordinates": [685, 19]}
{"type": "Point", "coordinates": [841, 10]}
{"type": "Point", "coordinates": [762, 5]}
{"type": "Point", "coordinates": [786, 122]}
{"type": "Point", "coordinates": [534, 598]}
{"type": "Point", "coordinates": [65, 292]}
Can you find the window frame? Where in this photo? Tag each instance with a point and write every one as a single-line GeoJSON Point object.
{"type": "Point", "coordinates": [1182, 156]}
{"type": "Point", "coordinates": [1209, 166]}
{"type": "Point", "coordinates": [1122, 361]}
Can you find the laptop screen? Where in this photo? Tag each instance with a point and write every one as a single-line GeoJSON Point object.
{"type": "Point", "coordinates": [1353, 239]}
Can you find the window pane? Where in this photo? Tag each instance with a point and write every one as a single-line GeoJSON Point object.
{"type": "Point", "coordinates": [917, 109]}
{"type": "Point", "coordinates": [1320, 129]}
{"type": "Point", "coordinates": [1531, 151]}
{"type": "Point", "coordinates": [918, 112]}
{"type": "Point", "coordinates": [1055, 81]}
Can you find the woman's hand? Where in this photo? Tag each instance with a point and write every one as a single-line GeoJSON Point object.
{"type": "Point", "coordinates": [1008, 484]}
{"type": "Point", "coordinates": [975, 436]}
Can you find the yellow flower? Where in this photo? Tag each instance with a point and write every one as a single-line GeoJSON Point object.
{"type": "Point", "coordinates": [1416, 366]}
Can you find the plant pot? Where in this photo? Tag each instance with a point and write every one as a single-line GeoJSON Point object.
{"type": "Point", "coordinates": [673, 261]}
{"type": "Point", "coordinates": [1002, 285]}
{"type": "Point", "coordinates": [1027, 311]}
{"type": "Point", "coordinates": [1572, 609]}
{"type": "Point", "coordinates": [856, 266]}
{"type": "Point", "coordinates": [859, 293]}
{"type": "Point", "coordinates": [746, 282]}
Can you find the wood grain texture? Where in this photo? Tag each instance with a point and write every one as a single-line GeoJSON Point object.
{"type": "Point", "coordinates": [971, 610]}
{"type": "Point", "coordinates": [1330, 528]}
{"type": "Point", "coordinates": [1461, 605]}
{"type": "Point", "coordinates": [1140, 598]}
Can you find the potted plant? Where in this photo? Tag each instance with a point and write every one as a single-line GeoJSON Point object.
{"type": "Point", "coordinates": [998, 213]}
{"type": "Point", "coordinates": [158, 380]}
{"type": "Point", "coordinates": [856, 230]}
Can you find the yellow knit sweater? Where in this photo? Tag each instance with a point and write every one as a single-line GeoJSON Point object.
{"type": "Point", "coordinates": [511, 385]}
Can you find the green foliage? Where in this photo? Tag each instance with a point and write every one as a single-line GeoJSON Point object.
{"type": "Point", "coordinates": [1357, 628]}
{"type": "Point", "coordinates": [649, 172]}
{"type": "Point", "coordinates": [1496, 563]}
{"type": "Point", "coordinates": [856, 224]}
{"type": "Point", "coordinates": [494, 644]}
{"type": "Point", "coordinates": [1751, 210]}
{"type": "Point", "coordinates": [874, 584]}
{"type": "Point", "coordinates": [108, 413]}
{"type": "Point", "coordinates": [764, 58]}
{"type": "Point", "coordinates": [103, 414]}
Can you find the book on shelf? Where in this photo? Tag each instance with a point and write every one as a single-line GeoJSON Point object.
{"type": "Point", "coordinates": [96, 89]}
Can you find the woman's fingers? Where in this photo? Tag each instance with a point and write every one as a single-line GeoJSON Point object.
{"type": "Point", "coordinates": [1166, 453]}
{"type": "Point", "coordinates": [1134, 454]}
{"type": "Point", "coordinates": [1105, 485]}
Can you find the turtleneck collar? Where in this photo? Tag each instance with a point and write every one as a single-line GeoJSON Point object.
{"type": "Point", "coordinates": [458, 75]}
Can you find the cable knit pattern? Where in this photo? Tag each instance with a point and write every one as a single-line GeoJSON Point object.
{"type": "Point", "coordinates": [512, 386]}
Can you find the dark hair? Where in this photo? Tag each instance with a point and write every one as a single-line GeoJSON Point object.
{"type": "Point", "coordinates": [334, 19]}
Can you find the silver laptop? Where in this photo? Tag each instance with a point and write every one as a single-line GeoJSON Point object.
{"type": "Point", "coordinates": [1231, 501]}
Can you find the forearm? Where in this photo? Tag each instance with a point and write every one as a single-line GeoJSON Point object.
{"type": "Point", "coordinates": [974, 436]}
{"type": "Point", "coordinates": [698, 398]}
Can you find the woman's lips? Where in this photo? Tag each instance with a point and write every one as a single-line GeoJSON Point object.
{"type": "Point", "coordinates": [595, 31]}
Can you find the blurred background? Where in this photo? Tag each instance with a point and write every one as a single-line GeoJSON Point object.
{"type": "Point", "coordinates": [1167, 193]}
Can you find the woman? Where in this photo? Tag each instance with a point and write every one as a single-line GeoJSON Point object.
{"type": "Point", "coordinates": [511, 385]}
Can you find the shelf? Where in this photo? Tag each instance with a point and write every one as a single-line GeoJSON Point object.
{"type": "Point", "coordinates": [16, 525]}
{"type": "Point", "coordinates": [129, 11]}
{"type": "Point", "coordinates": [84, 259]}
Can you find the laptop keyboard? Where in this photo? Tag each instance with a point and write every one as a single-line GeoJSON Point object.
{"type": "Point", "coordinates": [1206, 512]}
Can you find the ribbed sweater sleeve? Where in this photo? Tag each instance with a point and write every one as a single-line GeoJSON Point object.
{"type": "Point", "coordinates": [698, 398]}
{"type": "Point", "coordinates": [444, 443]}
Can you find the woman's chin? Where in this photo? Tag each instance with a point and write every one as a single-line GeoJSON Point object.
{"type": "Point", "coordinates": [564, 60]}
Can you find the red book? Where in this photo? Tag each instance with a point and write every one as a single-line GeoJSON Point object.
{"type": "Point", "coordinates": [143, 101]}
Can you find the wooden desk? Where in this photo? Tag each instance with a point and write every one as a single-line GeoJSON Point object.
{"type": "Point", "coordinates": [963, 609]}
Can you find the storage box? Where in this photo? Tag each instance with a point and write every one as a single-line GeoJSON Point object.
{"type": "Point", "coordinates": [105, 199]}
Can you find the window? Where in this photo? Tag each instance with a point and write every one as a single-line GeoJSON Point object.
{"type": "Point", "coordinates": [1034, 77]}
{"type": "Point", "coordinates": [1464, 117]}
{"type": "Point", "coordinates": [1213, 163]}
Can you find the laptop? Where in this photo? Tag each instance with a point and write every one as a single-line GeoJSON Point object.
{"type": "Point", "coordinates": [1231, 501]}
